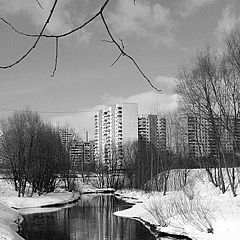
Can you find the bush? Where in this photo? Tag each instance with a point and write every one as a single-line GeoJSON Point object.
{"type": "Point", "coordinates": [194, 212]}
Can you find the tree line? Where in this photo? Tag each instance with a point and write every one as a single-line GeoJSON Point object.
{"type": "Point", "coordinates": [209, 91]}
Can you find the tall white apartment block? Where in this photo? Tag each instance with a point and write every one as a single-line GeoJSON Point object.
{"type": "Point", "coordinates": [114, 127]}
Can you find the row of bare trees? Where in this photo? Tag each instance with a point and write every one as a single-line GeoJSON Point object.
{"type": "Point", "coordinates": [32, 153]}
{"type": "Point", "coordinates": [209, 93]}
{"type": "Point", "coordinates": [149, 169]}
{"type": "Point", "coordinates": [209, 90]}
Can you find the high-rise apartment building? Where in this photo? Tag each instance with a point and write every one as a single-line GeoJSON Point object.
{"type": "Point", "coordinates": [162, 133]}
{"type": "Point", "coordinates": [199, 136]}
{"type": "Point", "coordinates": [1, 139]}
{"type": "Point", "coordinates": [81, 153]}
{"type": "Point", "coordinates": [152, 132]}
{"type": "Point", "coordinates": [201, 139]}
{"type": "Point", "coordinates": [114, 127]}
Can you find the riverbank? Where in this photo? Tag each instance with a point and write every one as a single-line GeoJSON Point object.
{"type": "Point", "coordinates": [210, 215]}
{"type": "Point", "coordinates": [11, 207]}
{"type": "Point", "coordinates": [9, 219]}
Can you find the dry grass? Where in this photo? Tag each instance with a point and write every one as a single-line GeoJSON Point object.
{"type": "Point", "coordinates": [188, 211]}
{"type": "Point", "coordinates": [194, 212]}
{"type": "Point", "coordinates": [156, 207]}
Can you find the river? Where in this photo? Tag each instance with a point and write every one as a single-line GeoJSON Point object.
{"type": "Point", "coordinates": [90, 219]}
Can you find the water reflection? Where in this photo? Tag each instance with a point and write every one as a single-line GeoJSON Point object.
{"type": "Point", "coordinates": [91, 219]}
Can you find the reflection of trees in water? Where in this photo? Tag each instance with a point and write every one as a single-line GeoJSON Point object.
{"type": "Point", "coordinates": [92, 218]}
{"type": "Point", "coordinates": [46, 226]}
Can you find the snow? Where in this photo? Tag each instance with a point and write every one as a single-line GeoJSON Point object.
{"type": "Point", "coordinates": [59, 198]}
{"type": "Point", "coordinates": [26, 205]}
{"type": "Point", "coordinates": [224, 211]}
{"type": "Point", "coordinates": [11, 205]}
{"type": "Point", "coordinates": [7, 226]}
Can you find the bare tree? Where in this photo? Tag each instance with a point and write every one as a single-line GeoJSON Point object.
{"type": "Point", "coordinates": [108, 168]}
{"type": "Point", "coordinates": [73, 162]}
{"type": "Point", "coordinates": [31, 151]}
{"type": "Point", "coordinates": [209, 92]}
{"type": "Point", "coordinates": [48, 160]}
{"type": "Point", "coordinates": [130, 164]}
{"type": "Point", "coordinates": [19, 133]}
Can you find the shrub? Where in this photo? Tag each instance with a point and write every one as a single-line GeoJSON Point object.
{"type": "Point", "coordinates": [194, 212]}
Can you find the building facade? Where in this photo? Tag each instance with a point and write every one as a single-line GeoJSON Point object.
{"type": "Point", "coordinates": [81, 152]}
{"type": "Point", "coordinates": [152, 132]}
{"type": "Point", "coordinates": [114, 127]}
{"type": "Point", "coordinates": [202, 139]}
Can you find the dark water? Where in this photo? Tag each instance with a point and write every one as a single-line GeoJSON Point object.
{"type": "Point", "coordinates": [91, 219]}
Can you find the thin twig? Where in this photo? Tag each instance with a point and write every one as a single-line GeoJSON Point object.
{"type": "Point", "coordinates": [123, 53]}
{"type": "Point", "coordinates": [22, 33]}
{"type": "Point", "coordinates": [39, 4]}
{"type": "Point", "coordinates": [35, 43]}
{"type": "Point", "coordinates": [57, 37]}
{"type": "Point", "coordinates": [63, 34]}
{"type": "Point", "coordinates": [107, 41]}
{"type": "Point", "coordinates": [56, 58]}
{"type": "Point", "coordinates": [119, 56]}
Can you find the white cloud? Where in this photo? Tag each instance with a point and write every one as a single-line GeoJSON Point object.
{"type": "Point", "coordinates": [82, 121]}
{"type": "Point", "coordinates": [19, 92]}
{"type": "Point", "coordinates": [63, 19]}
{"type": "Point", "coordinates": [190, 6]}
{"type": "Point", "coordinates": [144, 19]}
{"type": "Point", "coordinates": [148, 102]}
{"type": "Point", "coordinates": [84, 36]}
{"type": "Point", "coordinates": [227, 22]}
{"type": "Point", "coordinates": [166, 84]}
{"type": "Point", "coordinates": [60, 21]}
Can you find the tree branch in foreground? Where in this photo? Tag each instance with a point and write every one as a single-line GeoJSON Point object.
{"type": "Point", "coordinates": [35, 43]}
{"type": "Point", "coordinates": [120, 46]}
{"type": "Point", "coordinates": [123, 53]}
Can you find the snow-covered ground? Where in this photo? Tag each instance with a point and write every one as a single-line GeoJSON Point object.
{"type": "Point", "coordinates": [9, 202]}
{"type": "Point", "coordinates": [11, 205]}
{"type": "Point", "coordinates": [174, 213]}
{"type": "Point", "coordinates": [218, 211]}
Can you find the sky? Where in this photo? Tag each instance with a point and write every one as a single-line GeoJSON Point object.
{"type": "Point", "coordinates": [161, 35]}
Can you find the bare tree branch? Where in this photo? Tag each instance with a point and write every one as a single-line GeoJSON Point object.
{"type": "Point", "coordinates": [22, 33]}
{"type": "Point", "coordinates": [119, 56]}
{"type": "Point", "coordinates": [35, 43]}
{"type": "Point", "coordinates": [107, 41]}
{"type": "Point", "coordinates": [123, 53]}
{"type": "Point", "coordinates": [39, 4]}
{"type": "Point", "coordinates": [56, 58]}
{"type": "Point", "coordinates": [63, 34]}
{"type": "Point", "coordinates": [58, 36]}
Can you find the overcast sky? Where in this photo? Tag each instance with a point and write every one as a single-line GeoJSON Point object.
{"type": "Point", "coordinates": [160, 34]}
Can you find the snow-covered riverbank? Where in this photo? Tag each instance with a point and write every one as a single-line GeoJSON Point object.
{"type": "Point", "coordinates": [200, 212]}
{"type": "Point", "coordinates": [11, 207]}
{"type": "Point", "coordinates": [218, 217]}
{"type": "Point", "coordinates": [8, 223]}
